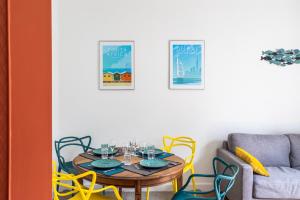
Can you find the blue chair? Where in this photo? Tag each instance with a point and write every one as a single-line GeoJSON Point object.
{"type": "Point", "coordinates": [83, 142]}
{"type": "Point", "coordinates": [223, 182]}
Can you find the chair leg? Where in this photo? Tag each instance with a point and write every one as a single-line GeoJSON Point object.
{"type": "Point", "coordinates": [193, 179]}
{"type": "Point", "coordinates": [174, 183]}
{"type": "Point", "coordinates": [104, 192]}
{"type": "Point", "coordinates": [59, 170]}
{"type": "Point", "coordinates": [120, 191]}
{"type": "Point", "coordinates": [73, 184]}
{"type": "Point", "coordinates": [148, 193]}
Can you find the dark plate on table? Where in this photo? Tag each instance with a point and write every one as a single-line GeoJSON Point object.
{"type": "Point", "coordinates": [156, 152]}
{"type": "Point", "coordinates": [99, 152]}
{"type": "Point", "coordinates": [106, 163]}
{"type": "Point", "coordinates": [154, 163]}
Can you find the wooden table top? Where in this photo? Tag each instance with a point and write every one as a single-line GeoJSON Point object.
{"type": "Point", "coordinates": [128, 179]}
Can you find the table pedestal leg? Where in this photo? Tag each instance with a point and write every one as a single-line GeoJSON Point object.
{"type": "Point", "coordinates": [120, 191]}
{"type": "Point", "coordinates": [179, 182]}
{"type": "Point", "coordinates": [138, 191]}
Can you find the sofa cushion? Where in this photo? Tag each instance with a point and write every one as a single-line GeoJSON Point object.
{"type": "Point", "coordinates": [270, 150]}
{"type": "Point", "coordinates": [283, 183]}
{"type": "Point", "coordinates": [295, 150]}
{"type": "Point", "coordinates": [251, 160]}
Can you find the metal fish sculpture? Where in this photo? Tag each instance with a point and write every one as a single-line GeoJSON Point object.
{"type": "Point", "coordinates": [282, 57]}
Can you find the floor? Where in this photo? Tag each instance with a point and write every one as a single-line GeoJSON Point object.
{"type": "Point", "coordinates": [153, 196]}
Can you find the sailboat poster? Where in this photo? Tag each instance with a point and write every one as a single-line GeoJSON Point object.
{"type": "Point", "coordinates": [186, 64]}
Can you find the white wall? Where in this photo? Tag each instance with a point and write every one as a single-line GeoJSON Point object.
{"type": "Point", "coordinates": [242, 94]}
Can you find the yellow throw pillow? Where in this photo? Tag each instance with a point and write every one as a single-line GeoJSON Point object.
{"type": "Point", "coordinates": [251, 160]}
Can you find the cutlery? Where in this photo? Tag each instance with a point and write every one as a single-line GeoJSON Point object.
{"type": "Point", "coordinates": [137, 167]}
{"type": "Point", "coordinates": [173, 163]}
{"type": "Point", "coordinates": [108, 170]}
{"type": "Point", "coordinates": [90, 153]}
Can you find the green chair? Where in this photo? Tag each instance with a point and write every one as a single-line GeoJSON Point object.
{"type": "Point", "coordinates": [223, 182]}
{"type": "Point", "coordinates": [83, 143]}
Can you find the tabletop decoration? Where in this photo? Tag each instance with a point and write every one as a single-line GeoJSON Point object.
{"type": "Point", "coordinates": [282, 57]}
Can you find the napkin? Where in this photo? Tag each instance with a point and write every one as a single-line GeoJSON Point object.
{"type": "Point", "coordinates": [107, 172]}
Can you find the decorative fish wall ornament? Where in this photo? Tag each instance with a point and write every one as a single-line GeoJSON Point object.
{"type": "Point", "coordinates": [282, 57]}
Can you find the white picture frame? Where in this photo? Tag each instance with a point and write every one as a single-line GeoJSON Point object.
{"type": "Point", "coordinates": [117, 65]}
{"type": "Point", "coordinates": [186, 64]}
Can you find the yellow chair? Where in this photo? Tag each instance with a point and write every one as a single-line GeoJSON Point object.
{"type": "Point", "coordinates": [76, 191]}
{"type": "Point", "coordinates": [182, 141]}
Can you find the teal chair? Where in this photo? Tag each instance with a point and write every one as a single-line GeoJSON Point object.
{"type": "Point", "coordinates": [83, 143]}
{"type": "Point", "coordinates": [223, 182]}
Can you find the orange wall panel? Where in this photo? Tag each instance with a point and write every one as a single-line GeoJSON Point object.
{"type": "Point", "coordinates": [30, 99]}
{"type": "Point", "coordinates": [3, 101]}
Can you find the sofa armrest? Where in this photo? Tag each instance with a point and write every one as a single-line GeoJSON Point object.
{"type": "Point", "coordinates": [243, 186]}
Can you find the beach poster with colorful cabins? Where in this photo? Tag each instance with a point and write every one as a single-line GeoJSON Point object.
{"type": "Point", "coordinates": [186, 64]}
{"type": "Point", "coordinates": [117, 65]}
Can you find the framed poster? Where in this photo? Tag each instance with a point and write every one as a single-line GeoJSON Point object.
{"type": "Point", "coordinates": [186, 64]}
{"type": "Point", "coordinates": [116, 65]}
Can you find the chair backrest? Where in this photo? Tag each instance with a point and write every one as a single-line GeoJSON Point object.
{"type": "Point", "coordinates": [61, 179]}
{"type": "Point", "coordinates": [83, 142]}
{"type": "Point", "coordinates": [171, 142]}
{"type": "Point", "coordinates": [225, 179]}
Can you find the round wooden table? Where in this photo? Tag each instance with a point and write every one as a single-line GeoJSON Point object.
{"type": "Point", "coordinates": [127, 179]}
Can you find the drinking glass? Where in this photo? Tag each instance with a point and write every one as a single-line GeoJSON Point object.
{"type": "Point", "coordinates": [143, 149]}
{"type": "Point", "coordinates": [104, 151]}
{"type": "Point", "coordinates": [127, 157]}
{"type": "Point", "coordinates": [151, 154]}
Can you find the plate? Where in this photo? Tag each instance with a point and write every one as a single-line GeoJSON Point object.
{"type": "Point", "coordinates": [105, 163]}
{"type": "Point", "coordinates": [110, 152]}
{"type": "Point", "coordinates": [156, 152]}
{"type": "Point", "coordinates": [154, 163]}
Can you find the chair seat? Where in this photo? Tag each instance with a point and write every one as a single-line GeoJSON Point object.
{"type": "Point", "coordinates": [93, 197]}
{"type": "Point", "coordinates": [188, 196]}
{"type": "Point", "coordinates": [182, 195]}
{"type": "Point", "coordinates": [69, 168]}
{"type": "Point", "coordinates": [283, 183]}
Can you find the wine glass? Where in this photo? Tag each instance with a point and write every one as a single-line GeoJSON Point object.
{"type": "Point", "coordinates": [127, 156]}
{"type": "Point", "coordinates": [143, 149]}
{"type": "Point", "coordinates": [112, 146]}
{"type": "Point", "coordinates": [133, 145]}
{"type": "Point", "coordinates": [124, 147]}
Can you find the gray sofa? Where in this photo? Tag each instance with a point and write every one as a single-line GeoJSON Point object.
{"type": "Point", "coordinates": [280, 154]}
